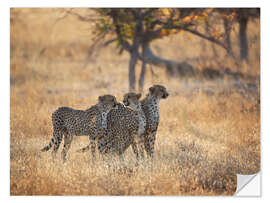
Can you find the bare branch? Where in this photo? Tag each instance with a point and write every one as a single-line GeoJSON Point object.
{"type": "Point", "coordinates": [62, 17]}
{"type": "Point", "coordinates": [93, 48]}
{"type": "Point", "coordinates": [80, 17]}
{"type": "Point", "coordinates": [211, 39]}
{"type": "Point", "coordinates": [109, 42]}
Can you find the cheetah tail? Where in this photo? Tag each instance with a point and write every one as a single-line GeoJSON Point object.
{"type": "Point", "coordinates": [85, 149]}
{"type": "Point", "coordinates": [48, 146]}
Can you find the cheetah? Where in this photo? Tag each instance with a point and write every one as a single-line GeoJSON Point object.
{"type": "Point", "coordinates": [71, 122]}
{"type": "Point", "coordinates": [126, 126]}
{"type": "Point", "coordinates": [150, 106]}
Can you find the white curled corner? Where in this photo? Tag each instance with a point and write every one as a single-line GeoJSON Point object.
{"type": "Point", "coordinates": [248, 185]}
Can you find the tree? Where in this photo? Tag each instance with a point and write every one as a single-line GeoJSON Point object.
{"type": "Point", "coordinates": [240, 16]}
{"type": "Point", "coordinates": [133, 30]}
{"type": "Point", "coordinates": [243, 16]}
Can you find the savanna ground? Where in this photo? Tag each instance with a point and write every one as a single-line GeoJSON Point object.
{"type": "Point", "coordinates": [209, 129]}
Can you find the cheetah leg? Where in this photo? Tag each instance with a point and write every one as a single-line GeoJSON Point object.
{"type": "Point", "coordinates": [54, 138]}
{"type": "Point", "coordinates": [141, 147]}
{"type": "Point", "coordinates": [106, 160]}
{"type": "Point", "coordinates": [150, 144]}
{"type": "Point", "coordinates": [93, 148]}
{"type": "Point", "coordinates": [146, 144]}
{"type": "Point", "coordinates": [139, 143]}
{"type": "Point", "coordinates": [121, 158]}
{"type": "Point", "coordinates": [122, 165]}
{"type": "Point", "coordinates": [135, 151]}
{"type": "Point", "coordinates": [57, 141]}
{"type": "Point", "coordinates": [67, 142]}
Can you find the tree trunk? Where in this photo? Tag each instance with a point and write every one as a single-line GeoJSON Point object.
{"type": "Point", "coordinates": [134, 54]}
{"type": "Point", "coordinates": [142, 75]}
{"type": "Point", "coordinates": [243, 21]}
{"type": "Point", "coordinates": [131, 74]}
{"type": "Point", "coordinates": [227, 28]}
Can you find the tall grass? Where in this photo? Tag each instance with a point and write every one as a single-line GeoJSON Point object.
{"type": "Point", "coordinates": [209, 130]}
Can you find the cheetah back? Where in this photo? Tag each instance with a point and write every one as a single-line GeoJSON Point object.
{"type": "Point", "coordinates": [77, 122]}
{"type": "Point", "coordinates": [121, 123]}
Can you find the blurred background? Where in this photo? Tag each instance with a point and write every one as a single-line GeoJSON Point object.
{"type": "Point", "coordinates": [208, 59]}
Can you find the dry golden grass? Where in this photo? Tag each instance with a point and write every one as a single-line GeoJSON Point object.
{"type": "Point", "coordinates": [209, 130]}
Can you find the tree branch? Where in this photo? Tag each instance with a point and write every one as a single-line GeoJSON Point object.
{"type": "Point", "coordinates": [156, 33]}
{"type": "Point", "coordinates": [122, 42]}
{"type": "Point", "coordinates": [80, 17]}
{"type": "Point", "coordinates": [211, 39]}
{"type": "Point", "coordinates": [109, 42]}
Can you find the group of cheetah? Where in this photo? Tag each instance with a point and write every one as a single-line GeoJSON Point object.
{"type": "Point", "coordinates": [110, 124]}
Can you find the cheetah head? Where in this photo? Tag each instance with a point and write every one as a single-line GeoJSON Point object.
{"type": "Point", "coordinates": [132, 99]}
{"type": "Point", "coordinates": [158, 91]}
{"type": "Point", "coordinates": [107, 102]}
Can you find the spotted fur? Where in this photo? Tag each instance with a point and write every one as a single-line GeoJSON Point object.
{"type": "Point", "coordinates": [150, 106]}
{"type": "Point", "coordinates": [70, 122]}
{"type": "Point", "coordinates": [126, 126]}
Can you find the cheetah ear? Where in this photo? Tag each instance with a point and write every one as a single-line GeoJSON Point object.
{"type": "Point", "coordinates": [100, 98]}
{"type": "Point", "coordinates": [151, 89]}
{"type": "Point", "coordinates": [125, 96]}
{"type": "Point", "coordinates": [113, 99]}
{"type": "Point", "coordinates": [139, 95]}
